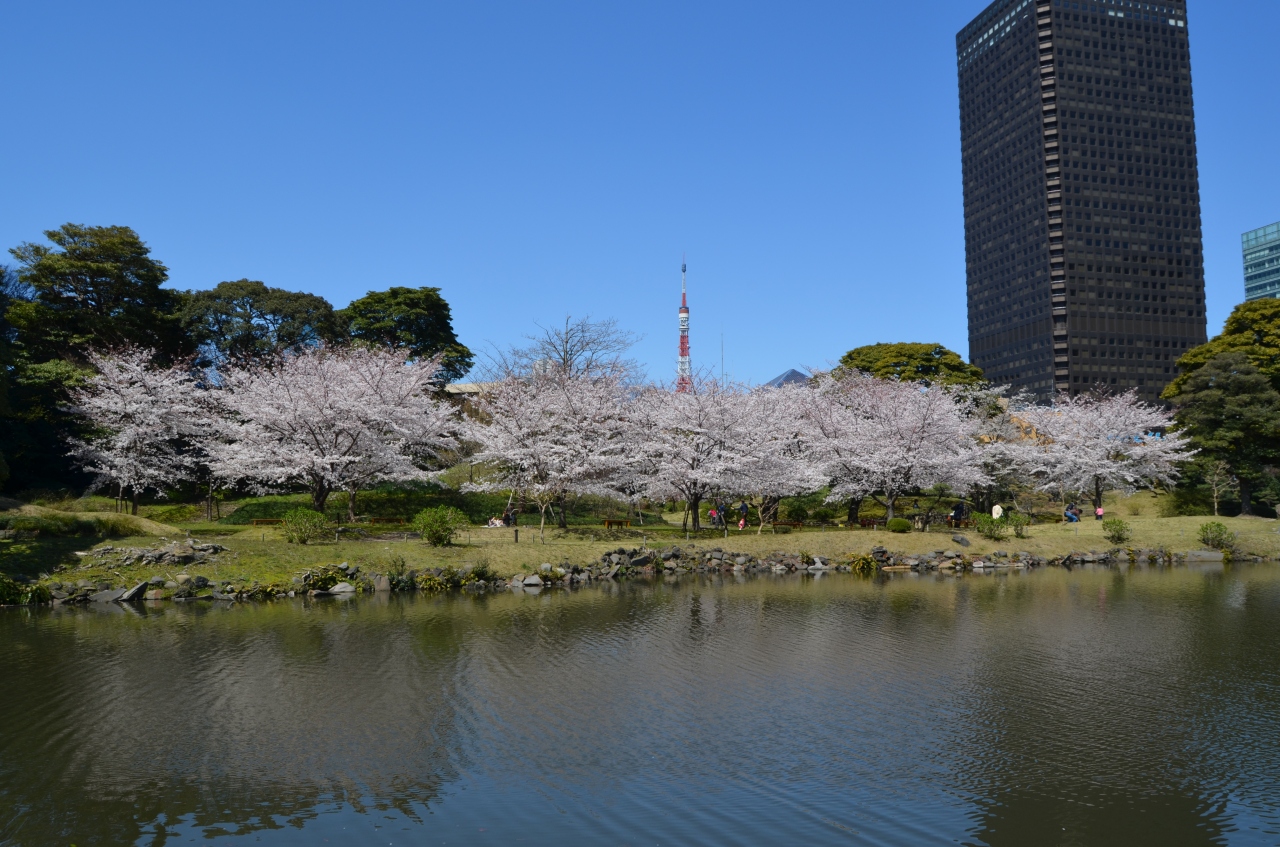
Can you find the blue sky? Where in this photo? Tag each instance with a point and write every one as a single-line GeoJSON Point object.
{"type": "Point", "coordinates": [540, 159]}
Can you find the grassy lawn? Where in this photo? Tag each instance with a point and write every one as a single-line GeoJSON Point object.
{"type": "Point", "coordinates": [260, 554]}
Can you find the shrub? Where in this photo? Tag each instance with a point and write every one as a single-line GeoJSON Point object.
{"type": "Point", "coordinates": [1018, 522]}
{"type": "Point", "coordinates": [438, 526]}
{"type": "Point", "coordinates": [323, 578]}
{"type": "Point", "coordinates": [302, 526]}
{"type": "Point", "coordinates": [864, 565]}
{"type": "Point", "coordinates": [990, 528]}
{"type": "Point", "coordinates": [63, 525]}
{"type": "Point", "coordinates": [16, 594]}
{"type": "Point", "coordinates": [481, 571]}
{"type": "Point", "coordinates": [781, 530]}
{"type": "Point", "coordinates": [1117, 531]}
{"type": "Point", "coordinates": [447, 579]}
{"type": "Point", "coordinates": [1216, 536]}
{"type": "Point", "coordinates": [899, 525]}
{"type": "Point", "coordinates": [796, 512]}
{"type": "Point", "coordinates": [824, 515]}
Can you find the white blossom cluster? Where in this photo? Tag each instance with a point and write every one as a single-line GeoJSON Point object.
{"type": "Point", "coordinates": [334, 420]}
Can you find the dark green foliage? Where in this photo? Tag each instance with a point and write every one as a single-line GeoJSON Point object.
{"type": "Point", "coordinates": [91, 287]}
{"type": "Point", "coordinates": [1252, 330]}
{"type": "Point", "coordinates": [438, 526]}
{"type": "Point", "coordinates": [384, 502]}
{"type": "Point", "coordinates": [17, 594]}
{"type": "Point", "coordinates": [452, 579]}
{"type": "Point", "coordinates": [1116, 531]}
{"type": "Point", "coordinates": [1231, 413]}
{"type": "Point", "coordinates": [1018, 522]}
{"type": "Point", "coordinates": [899, 525]}
{"type": "Point", "coordinates": [1216, 536]}
{"type": "Point", "coordinates": [302, 526]}
{"type": "Point", "coordinates": [795, 511]}
{"type": "Point", "coordinates": [415, 319]}
{"type": "Point", "coordinates": [929, 363]}
{"type": "Point", "coordinates": [246, 320]}
{"type": "Point", "coordinates": [95, 286]}
{"type": "Point", "coordinates": [323, 578]}
{"type": "Point", "coordinates": [70, 526]}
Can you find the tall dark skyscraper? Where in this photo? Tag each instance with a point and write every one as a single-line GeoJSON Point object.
{"type": "Point", "coordinates": [1081, 194]}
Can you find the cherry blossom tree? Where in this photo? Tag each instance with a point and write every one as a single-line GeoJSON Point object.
{"type": "Point", "coordinates": [333, 419]}
{"type": "Point", "coordinates": [146, 423]}
{"type": "Point", "coordinates": [768, 454]}
{"type": "Point", "coordinates": [684, 442]}
{"type": "Point", "coordinates": [549, 433]}
{"type": "Point", "coordinates": [884, 438]}
{"type": "Point", "coordinates": [1092, 443]}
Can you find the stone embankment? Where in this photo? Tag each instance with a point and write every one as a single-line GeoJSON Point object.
{"type": "Point", "coordinates": [347, 580]}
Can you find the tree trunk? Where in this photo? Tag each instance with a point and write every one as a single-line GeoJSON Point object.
{"type": "Point", "coordinates": [855, 508]}
{"type": "Point", "coordinates": [319, 497]}
{"type": "Point", "coordinates": [542, 526]}
{"type": "Point", "coordinates": [1246, 497]}
{"type": "Point", "coordinates": [351, 505]}
{"type": "Point", "coordinates": [563, 519]}
{"type": "Point", "coordinates": [889, 503]}
{"type": "Point", "coordinates": [1097, 494]}
{"type": "Point", "coordinates": [208, 508]}
{"type": "Point", "coordinates": [695, 505]}
{"type": "Point", "coordinates": [768, 511]}
{"type": "Point", "coordinates": [133, 494]}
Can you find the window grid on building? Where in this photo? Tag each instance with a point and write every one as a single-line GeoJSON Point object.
{"type": "Point", "coordinates": [1082, 208]}
{"type": "Point", "coordinates": [1262, 262]}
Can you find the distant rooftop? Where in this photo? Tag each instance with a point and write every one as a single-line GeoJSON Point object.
{"type": "Point", "coordinates": [789, 378]}
{"type": "Point", "coordinates": [1258, 237]}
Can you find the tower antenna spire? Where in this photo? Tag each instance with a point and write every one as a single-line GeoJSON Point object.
{"type": "Point", "coordinates": [684, 370]}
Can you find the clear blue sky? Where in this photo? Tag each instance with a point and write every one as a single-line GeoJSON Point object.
{"type": "Point", "coordinates": [538, 159]}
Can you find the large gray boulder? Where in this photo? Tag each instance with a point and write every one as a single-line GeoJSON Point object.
{"type": "Point", "coordinates": [343, 588]}
{"type": "Point", "coordinates": [533, 581]}
{"type": "Point", "coordinates": [135, 593]}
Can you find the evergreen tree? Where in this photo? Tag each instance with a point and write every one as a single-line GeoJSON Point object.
{"type": "Point", "coordinates": [910, 362]}
{"type": "Point", "coordinates": [89, 288]}
{"type": "Point", "coordinates": [414, 319]}
{"type": "Point", "coordinates": [1252, 330]}
{"type": "Point", "coordinates": [246, 320]}
{"type": "Point", "coordinates": [1231, 413]}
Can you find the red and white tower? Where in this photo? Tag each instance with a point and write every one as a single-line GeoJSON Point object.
{"type": "Point", "coordinates": [684, 370]}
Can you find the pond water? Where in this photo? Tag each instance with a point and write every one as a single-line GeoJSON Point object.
{"type": "Point", "coordinates": [1092, 707]}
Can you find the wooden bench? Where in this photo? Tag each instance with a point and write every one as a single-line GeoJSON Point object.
{"type": "Point", "coordinates": [387, 520]}
{"type": "Point", "coordinates": [868, 523]}
{"type": "Point", "coordinates": [955, 524]}
{"type": "Point", "coordinates": [267, 521]}
{"type": "Point", "coordinates": [610, 524]}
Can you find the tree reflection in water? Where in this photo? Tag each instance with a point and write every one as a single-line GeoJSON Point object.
{"type": "Point", "coordinates": [1094, 707]}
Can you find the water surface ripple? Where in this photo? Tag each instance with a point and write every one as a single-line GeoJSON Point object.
{"type": "Point", "coordinates": [1093, 707]}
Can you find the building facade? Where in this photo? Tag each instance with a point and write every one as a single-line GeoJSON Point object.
{"type": "Point", "coordinates": [1262, 262]}
{"type": "Point", "coordinates": [1081, 194]}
